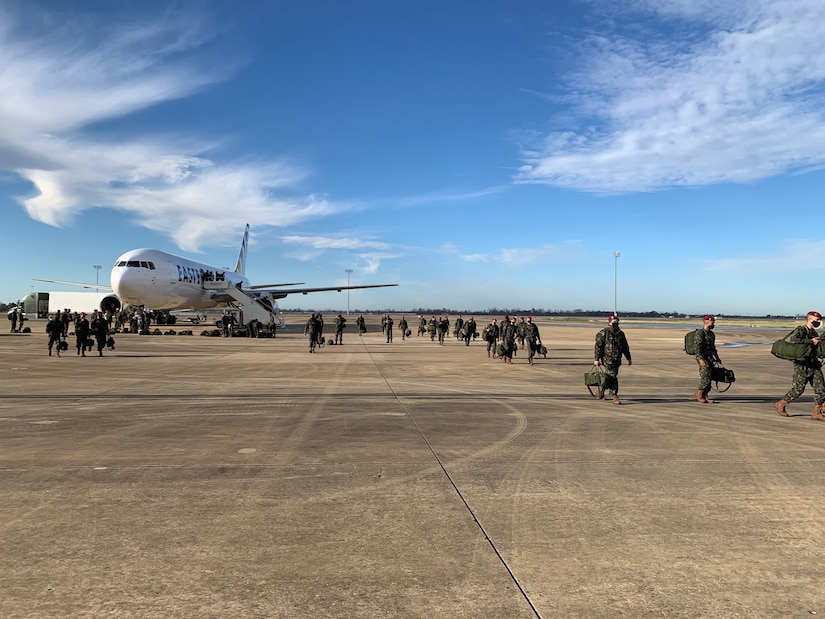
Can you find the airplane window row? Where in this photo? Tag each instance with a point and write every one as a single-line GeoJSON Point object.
{"type": "Point", "coordinates": [136, 263]}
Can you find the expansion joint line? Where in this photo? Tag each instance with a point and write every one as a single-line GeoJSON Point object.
{"type": "Point", "coordinates": [455, 488]}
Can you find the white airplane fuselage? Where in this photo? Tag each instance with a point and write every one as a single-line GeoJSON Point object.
{"type": "Point", "coordinates": [165, 281]}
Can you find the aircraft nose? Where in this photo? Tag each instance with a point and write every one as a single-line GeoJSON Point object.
{"type": "Point", "coordinates": [125, 284]}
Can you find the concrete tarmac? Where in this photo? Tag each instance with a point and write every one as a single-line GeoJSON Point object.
{"type": "Point", "coordinates": [187, 476]}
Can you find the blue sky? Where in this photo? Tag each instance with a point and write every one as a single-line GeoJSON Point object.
{"type": "Point", "coordinates": [480, 154]}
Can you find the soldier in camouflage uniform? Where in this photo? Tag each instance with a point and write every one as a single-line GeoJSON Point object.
{"type": "Point", "coordinates": [611, 345]}
{"type": "Point", "coordinates": [707, 357]}
{"type": "Point", "coordinates": [808, 370]}
{"type": "Point", "coordinates": [532, 337]}
{"type": "Point", "coordinates": [491, 333]}
{"type": "Point", "coordinates": [340, 325]}
{"type": "Point", "coordinates": [403, 326]}
{"type": "Point", "coordinates": [507, 335]}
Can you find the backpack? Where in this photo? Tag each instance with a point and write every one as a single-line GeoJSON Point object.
{"type": "Point", "coordinates": [790, 351]}
{"type": "Point", "coordinates": [690, 342]}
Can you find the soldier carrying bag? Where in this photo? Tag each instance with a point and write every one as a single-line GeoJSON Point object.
{"type": "Point", "coordinates": [791, 351]}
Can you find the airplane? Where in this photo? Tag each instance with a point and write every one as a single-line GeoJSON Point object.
{"type": "Point", "coordinates": [162, 281]}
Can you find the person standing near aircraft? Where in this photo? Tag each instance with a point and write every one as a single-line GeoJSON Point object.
{"type": "Point", "coordinates": [807, 370]}
{"type": "Point", "coordinates": [81, 333]}
{"type": "Point", "coordinates": [225, 321]}
{"type": "Point", "coordinates": [320, 337]}
{"type": "Point", "coordinates": [422, 325]}
{"type": "Point", "coordinates": [13, 320]}
{"type": "Point", "coordinates": [311, 329]}
{"type": "Point", "coordinates": [362, 324]}
{"type": "Point", "coordinates": [403, 326]}
{"type": "Point", "coordinates": [55, 330]}
{"type": "Point", "coordinates": [100, 329]}
{"type": "Point", "coordinates": [388, 322]}
{"type": "Point", "coordinates": [611, 345]}
{"type": "Point", "coordinates": [707, 357]}
{"type": "Point", "coordinates": [340, 323]}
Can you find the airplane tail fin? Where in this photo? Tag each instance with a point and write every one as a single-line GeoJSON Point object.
{"type": "Point", "coordinates": [241, 266]}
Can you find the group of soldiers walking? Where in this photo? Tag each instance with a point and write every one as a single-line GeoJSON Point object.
{"type": "Point", "coordinates": [58, 330]}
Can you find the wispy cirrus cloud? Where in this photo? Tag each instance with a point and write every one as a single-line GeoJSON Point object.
{"type": "Point", "coordinates": [60, 84]}
{"type": "Point", "coordinates": [717, 94]}
{"type": "Point", "coordinates": [792, 255]}
{"type": "Point", "coordinates": [526, 256]}
{"type": "Point", "coordinates": [370, 252]}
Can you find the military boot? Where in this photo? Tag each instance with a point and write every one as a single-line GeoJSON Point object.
{"type": "Point", "coordinates": [705, 397]}
{"type": "Point", "coordinates": [700, 397]}
{"type": "Point", "coordinates": [780, 407]}
{"type": "Point", "coordinates": [817, 414]}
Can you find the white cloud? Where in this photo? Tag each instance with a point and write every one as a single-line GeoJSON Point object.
{"type": "Point", "coordinates": [56, 85]}
{"type": "Point", "coordinates": [737, 99]}
{"type": "Point", "coordinates": [525, 256]}
{"type": "Point", "coordinates": [791, 256]}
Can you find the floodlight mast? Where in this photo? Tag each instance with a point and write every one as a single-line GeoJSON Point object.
{"type": "Point", "coordinates": [615, 281]}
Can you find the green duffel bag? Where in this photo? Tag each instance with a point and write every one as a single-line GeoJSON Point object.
{"type": "Point", "coordinates": [791, 351]}
{"type": "Point", "coordinates": [599, 379]}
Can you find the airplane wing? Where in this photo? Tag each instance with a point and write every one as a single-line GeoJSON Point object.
{"type": "Point", "coordinates": [277, 293]}
{"type": "Point", "coordinates": [79, 284]}
{"type": "Point", "coordinates": [272, 286]}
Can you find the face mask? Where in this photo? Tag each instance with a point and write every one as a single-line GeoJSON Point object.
{"type": "Point", "coordinates": [815, 324]}
{"type": "Point", "coordinates": [615, 326]}
{"type": "Point", "coordinates": [711, 326]}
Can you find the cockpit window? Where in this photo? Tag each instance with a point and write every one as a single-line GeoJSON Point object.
{"type": "Point", "coordinates": [141, 264]}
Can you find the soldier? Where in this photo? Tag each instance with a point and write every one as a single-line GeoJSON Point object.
{"type": "Point", "coordinates": [443, 329]}
{"type": "Point", "coordinates": [611, 344]}
{"type": "Point", "coordinates": [468, 330]}
{"type": "Point", "coordinates": [806, 370]}
{"type": "Point", "coordinates": [388, 323]}
{"type": "Point", "coordinates": [13, 320]}
{"type": "Point", "coordinates": [507, 336]}
{"type": "Point", "coordinates": [521, 332]}
{"type": "Point", "coordinates": [403, 326]}
{"type": "Point", "coordinates": [432, 328]}
{"type": "Point", "coordinates": [81, 333]}
{"type": "Point", "coordinates": [491, 333]}
{"type": "Point", "coordinates": [459, 322]}
{"type": "Point", "coordinates": [532, 337]}
{"type": "Point", "coordinates": [707, 357]}
{"type": "Point", "coordinates": [422, 325]}
{"type": "Point", "coordinates": [319, 336]}
{"type": "Point", "coordinates": [340, 323]}
{"type": "Point", "coordinates": [100, 329]}
{"type": "Point", "coordinates": [55, 330]}
{"type": "Point", "coordinates": [311, 329]}
{"type": "Point", "coordinates": [362, 325]}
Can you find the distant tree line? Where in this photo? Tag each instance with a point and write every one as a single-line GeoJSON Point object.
{"type": "Point", "coordinates": [519, 311]}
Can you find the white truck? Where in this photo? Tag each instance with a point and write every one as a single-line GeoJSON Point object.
{"type": "Point", "coordinates": [83, 301]}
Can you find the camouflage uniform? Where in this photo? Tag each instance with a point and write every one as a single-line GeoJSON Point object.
{"type": "Point", "coordinates": [402, 324]}
{"type": "Point", "coordinates": [533, 339]}
{"type": "Point", "coordinates": [706, 349]}
{"type": "Point", "coordinates": [611, 344]}
{"type": "Point", "coordinates": [507, 335]}
{"type": "Point", "coordinates": [492, 337]}
{"type": "Point", "coordinates": [807, 371]}
{"type": "Point", "coordinates": [340, 323]}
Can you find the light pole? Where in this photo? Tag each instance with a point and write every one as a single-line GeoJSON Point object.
{"type": "Point", "coordinates": [348, 271]}
{"type": "Point", "coordinates": [615, 280]}
{"type": "Point", "coordinates": [97, 268]}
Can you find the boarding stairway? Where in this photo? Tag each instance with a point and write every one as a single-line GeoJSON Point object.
{"type": "Point", "coordinates": [260, 308]}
